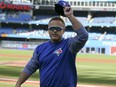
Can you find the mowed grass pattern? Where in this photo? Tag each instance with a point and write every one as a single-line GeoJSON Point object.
{"type": "Point", "coordinates": [97, 72]}
{"type": "Point", "coordinates": [17, 55]}
{"type": "Point", "coordinates": [88, 72]}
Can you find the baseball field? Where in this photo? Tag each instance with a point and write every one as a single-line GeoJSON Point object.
{"type": "Point", "coordinates": [94, 69]}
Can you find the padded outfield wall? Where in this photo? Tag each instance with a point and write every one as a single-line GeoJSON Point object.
{"type": "Point", "coordinates": [92, 46]}
{"type": "Point", "coordinates": [102, 47]}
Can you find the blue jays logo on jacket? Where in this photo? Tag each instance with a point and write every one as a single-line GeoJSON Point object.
{"type": "Point", "coordinates": [58, 51]}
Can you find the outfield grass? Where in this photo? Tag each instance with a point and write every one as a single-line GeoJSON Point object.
{"type": "Point", "coordinates": [96, 56]}
{"type": "Point", "coordinates": [20, 53]}
{"type": "Point", "coordinates": [14, 72]}
{"type": "Point", "coordinates": [88, 72]}
{"type": "Point", "coordinates": [97, 73]}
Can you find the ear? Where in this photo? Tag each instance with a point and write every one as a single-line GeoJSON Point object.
{"type": "Point", "coordinates": [47, 30]}
{"type": "Point", "coordinates": [63, 31]}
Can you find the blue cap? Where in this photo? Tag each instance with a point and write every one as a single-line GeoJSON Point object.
{"type": "Point", "coordinates": [59, 7]}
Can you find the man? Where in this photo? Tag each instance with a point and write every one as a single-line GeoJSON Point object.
{"type": "Point", "coordinates": [55, 58]}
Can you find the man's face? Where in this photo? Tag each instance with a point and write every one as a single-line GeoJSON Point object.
{"type": "Point", "coordinates": [56, 30]}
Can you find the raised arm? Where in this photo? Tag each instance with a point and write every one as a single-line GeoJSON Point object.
{"type": "Point", "coordinates": [69, 14]}
{"type": "Point", "coordinates": [77, 42]}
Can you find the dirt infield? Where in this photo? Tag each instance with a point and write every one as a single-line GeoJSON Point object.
{"type": "Point", "coordinates": [23, 63]}
{"type": "Point", "coordinates": [95, 60]}
{"type": "Point", "coordinates": [15, 63]}
{"type": "Point", "coordinates": [77, 59]}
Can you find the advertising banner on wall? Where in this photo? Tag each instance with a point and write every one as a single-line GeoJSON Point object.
{"type": "Point", "coordinates": [19, 45]}
{"type": "Point", "coordinates": [109, 47]}
{"type": "Point", "coordinates": [4, 5]}
{"type": "Point", "coordinates": [113, 50]}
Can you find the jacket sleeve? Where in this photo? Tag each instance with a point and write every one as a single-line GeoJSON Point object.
{"type": "Point", "coordinates": [78, 42]}
{"type": "Point", "coordinates": [33, 64]}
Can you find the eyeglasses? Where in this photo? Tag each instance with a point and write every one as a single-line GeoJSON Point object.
{"type": "Point", "coordinates": [57, 28]}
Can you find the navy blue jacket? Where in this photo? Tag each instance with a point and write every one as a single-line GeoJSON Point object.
{"type": "Point", "coordinates": [56, 61]}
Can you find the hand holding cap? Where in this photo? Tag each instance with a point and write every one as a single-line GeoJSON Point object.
{"type": "Point", "coordinates": [59, 7]}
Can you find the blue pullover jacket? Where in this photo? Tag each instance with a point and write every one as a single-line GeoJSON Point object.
{"type": "Point", "coordinates": [56, 61]}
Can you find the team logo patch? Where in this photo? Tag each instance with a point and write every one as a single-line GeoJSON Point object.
{"type": "Point", "coordinates": [58, 51]}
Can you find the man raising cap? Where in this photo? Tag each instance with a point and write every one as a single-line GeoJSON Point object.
{"type": "Point", "coordinates": [55, 58]}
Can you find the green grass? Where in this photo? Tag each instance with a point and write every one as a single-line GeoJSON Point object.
{"type": "Point", "coordinates": [11, 59]}
{"type": "Point", "coordinates": [88, 72]}
{"type": "Point", "coordinates": [14, 72]}
{"type": "Point", "coordinates": [97, 73]}
{"type": "Point", "coordinates": [96, 56]}
{"type": "Point", "coordinates": [21, 55]}
{"type": "Point", "coordinates": [13, 51]}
